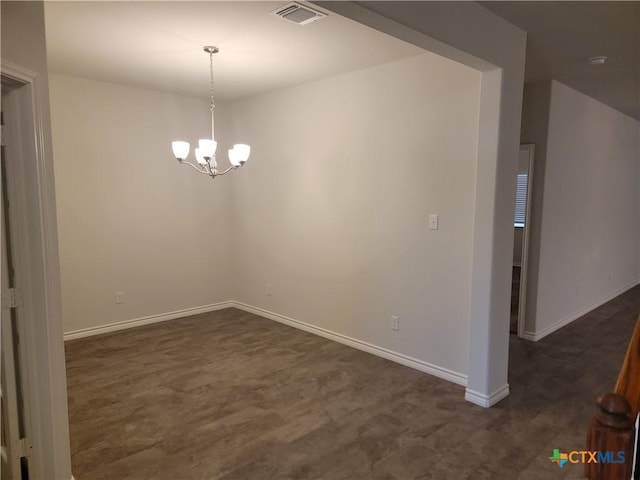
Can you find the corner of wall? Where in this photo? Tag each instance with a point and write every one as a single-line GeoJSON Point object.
{"type": "Point", "coordinates": [486, 401]}
{"type": "Point", "coordinates": [535, 129]}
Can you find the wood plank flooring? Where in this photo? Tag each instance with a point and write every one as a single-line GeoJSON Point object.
{"type": "Point", "coordinates": [230, 395]}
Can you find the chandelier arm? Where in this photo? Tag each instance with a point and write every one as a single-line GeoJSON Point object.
{"type": "Point", "coordinates": [197, 169]}
{"type": "Point", "coordinates": [227, 170]}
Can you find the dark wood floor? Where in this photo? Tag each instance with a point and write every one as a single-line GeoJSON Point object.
{"type": "Point", "coordinates": [230, 395]}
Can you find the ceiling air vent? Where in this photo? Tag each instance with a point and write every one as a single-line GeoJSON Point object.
{"type": "Point", "coordinates": [297, 13]}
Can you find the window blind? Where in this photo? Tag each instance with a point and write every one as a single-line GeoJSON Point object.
{"type": "Point", "coordinates": [521, 199]}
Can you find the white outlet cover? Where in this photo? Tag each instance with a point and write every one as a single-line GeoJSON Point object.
{"type": "Point", "coordinates": [433, 221]}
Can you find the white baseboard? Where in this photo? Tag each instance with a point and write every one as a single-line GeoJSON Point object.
{"type": "Point", "coordinates": [529, 336]}
{"type": "Point", "coordinates": [137, 322]}
{"type": "Point", "coordinates": [535, 336]}
{"type": "Point", "coordinates": [486, 401]}
{"type": "Point", "coordinates": [435, 370]}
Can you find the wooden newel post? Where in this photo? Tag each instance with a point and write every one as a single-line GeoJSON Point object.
{"type": "Point", "coordinates": [611, 430]}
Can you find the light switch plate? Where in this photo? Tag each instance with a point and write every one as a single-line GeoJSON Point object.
{"type": "Point", "coordinates": [433, 222]}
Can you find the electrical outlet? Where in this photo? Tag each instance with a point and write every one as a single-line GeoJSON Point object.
{"type": "Point", "coordinates": [433, 221]}
{"type": "Point", "coordinates": [395, 323]}
{"type": "Point", "coordinates": [119, 297]}
{"type": "Point", "coordinates": [267, 288]}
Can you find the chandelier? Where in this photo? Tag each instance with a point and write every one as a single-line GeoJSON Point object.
{"type": "Point", "coordinates": [205, 152]}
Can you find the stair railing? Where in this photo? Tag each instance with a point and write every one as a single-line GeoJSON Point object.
{"type": "Point", "coordinates": [612, 430]}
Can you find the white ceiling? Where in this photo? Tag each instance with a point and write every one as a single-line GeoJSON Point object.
{"type": "Point", "coordinates": [158, 45]}
{"type": "Point", "coordinates": [561, 36]}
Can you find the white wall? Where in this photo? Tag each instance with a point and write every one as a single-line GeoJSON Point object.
{"type": "Point", "coordinates": [474, 36]}
{"type": "Point", "coordinates": [535, 129]}
{"type": "Point", "coordinates": [130, 218]}
{"type": "Point", "coordinates": [589, 230]}
{"type": "Point", "coordinates": [333, 210]}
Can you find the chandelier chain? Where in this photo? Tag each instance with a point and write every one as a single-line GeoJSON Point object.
{"type": "Point", "coordinates": [212, 106]}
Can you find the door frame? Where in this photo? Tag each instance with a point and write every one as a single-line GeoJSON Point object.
{"type": "Point", "coordinates": [524, 262]}
{"type": "Point", "coordinates": [30, 189]}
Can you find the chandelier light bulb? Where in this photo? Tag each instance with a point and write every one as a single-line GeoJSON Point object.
{"type": "Point", "coordinates": [200, 157]}
{"type": "Point", "coordinates": [234, 157]}
{"type": "Point", "coordinates": [207, 147]}
{"type": "Point", "coordinates": [243, 152]}
{"type": "Point", "coordinates": [180, 149]}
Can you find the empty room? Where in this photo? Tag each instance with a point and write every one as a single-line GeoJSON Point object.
{"type": "Point", "coordinates": [275, 240]}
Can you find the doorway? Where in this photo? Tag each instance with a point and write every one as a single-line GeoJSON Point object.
{"type": "Point", "coordinates": [34, 413]}
{"type": "Point", "coordinates": [521, 239]}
